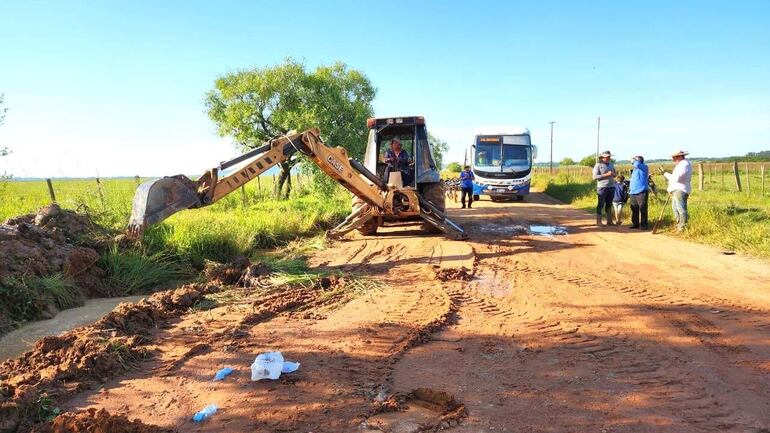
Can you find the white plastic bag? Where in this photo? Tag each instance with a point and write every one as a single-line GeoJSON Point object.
{"type": "Point", "coordinates": [267, 366]}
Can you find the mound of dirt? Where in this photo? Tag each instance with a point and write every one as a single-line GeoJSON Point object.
{"type": "Point", "coordinates": [60, 365]}
{"type": "Point", "coordinates": [240, 272]}
{"type": "Point", "coordinates": [93, 421]}
{"type": "Point", "coordinates": [52, 241]}
{"type": "Point", "coordinates": [143, 316]}
{"type": "Point", "coordinates": [422, 410]}
{"type": "Point", "coordinates": [449, 274]}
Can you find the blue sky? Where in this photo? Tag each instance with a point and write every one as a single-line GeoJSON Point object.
{"type": "Point", "coordinates": [116, 88]}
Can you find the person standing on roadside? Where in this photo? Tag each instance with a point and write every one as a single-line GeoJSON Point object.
{"type": "Point", "coordinates": [640, 193]}
{"type": "Point", "coordinates": [466, 186]}
{"type": "Point", "coordinates": [604, 174]}
{"type": "Point", "coordinates": [680, 186]}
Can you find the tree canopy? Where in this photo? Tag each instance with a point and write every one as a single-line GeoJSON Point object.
{"type": "Point", "coordinates": [589, 161]}
{"type": "Point", "coordinates": [454, 167]}
{"type": "Point", "coordinates": [255, 105]}
{"type": "Point", "coordinates": [439, 148]}
{"type": "Point", "coordinates": [567, 161]}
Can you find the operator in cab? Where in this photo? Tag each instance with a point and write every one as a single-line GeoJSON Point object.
{"type": "Point", "coordinates": [397, 159]}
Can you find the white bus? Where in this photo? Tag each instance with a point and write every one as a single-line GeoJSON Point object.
{"type": "Point", "coordinates": [501, 159]}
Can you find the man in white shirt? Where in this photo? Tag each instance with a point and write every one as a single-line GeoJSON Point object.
{"type": "Point", "coordinates": [680, 186]}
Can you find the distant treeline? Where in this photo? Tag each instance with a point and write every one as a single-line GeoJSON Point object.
{"type": "Point", "coordinates": [590, 159]}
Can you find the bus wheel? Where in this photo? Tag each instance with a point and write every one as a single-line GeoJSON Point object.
{"type": "Point", "coordinates": [475, 197]}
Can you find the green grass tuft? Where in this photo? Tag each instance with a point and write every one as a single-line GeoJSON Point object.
{"type": "Point", "coordinates": [133, 272]}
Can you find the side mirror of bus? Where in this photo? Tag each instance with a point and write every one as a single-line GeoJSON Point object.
{"type": "Point", "coordinates": [534, 152]}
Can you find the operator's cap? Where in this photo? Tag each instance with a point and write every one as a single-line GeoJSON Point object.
{"type": "Point", "coordinates": [680, 153]}
{"type": "Point", "coordinates": [605, 154]}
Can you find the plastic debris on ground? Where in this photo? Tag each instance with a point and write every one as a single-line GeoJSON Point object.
{"type": "Point", "coordinates": [547, 230]}
{"type": "Point", "coordinates": [223, 373]}
{"type": "Point", "coordinates": [270, 365]}
{"type": "Point", "coordinates": [205, 413]}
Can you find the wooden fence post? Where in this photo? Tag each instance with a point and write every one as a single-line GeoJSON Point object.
{"type": "Point", "coordinates": [259, 185]}
{"type": "Point", "coordinates": [50, 190]}
{"type": "Point", "coordinates": [700, 176]}
{"type": "Point", "coordinates": [243, 194]}
{"type": "Point", "coordinates": [748, 179]}
{"type": "Point", "coordinates": [137, 180]}
{"type": "Point", "coordinates": [737, 176]}
{"type": "Point", "coordinates": [100, 191]}
{"type": "Point", "coordinates": [762, 175]}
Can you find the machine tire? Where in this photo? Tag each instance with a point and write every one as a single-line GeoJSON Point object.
{"type": "Point", "coordinates": [519, 198]}
{"type": "Point", "coordinates": [370, 227]}
{"type": "Point", "coordinates": [475, 197]}
{"type": "Point", "coordinates": [434, 193]}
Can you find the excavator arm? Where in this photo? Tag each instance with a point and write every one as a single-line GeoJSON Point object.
{"type": "Point", "coordinates": [157, 200]}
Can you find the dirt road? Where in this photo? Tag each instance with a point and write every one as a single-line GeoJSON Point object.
{"type": "Point", "coordinates": [599, 330]}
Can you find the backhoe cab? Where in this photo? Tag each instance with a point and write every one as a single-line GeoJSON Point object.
{"type": "Point", "coordinates": [375, 200]}
{"type": "Point", "coordinates": [424, 177]}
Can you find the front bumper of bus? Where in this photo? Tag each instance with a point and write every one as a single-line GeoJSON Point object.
{"type": "Point", "coordinates": [493, 190]}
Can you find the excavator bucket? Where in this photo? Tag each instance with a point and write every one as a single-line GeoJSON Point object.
{"type": "Point", "coordinates": [156, 200]}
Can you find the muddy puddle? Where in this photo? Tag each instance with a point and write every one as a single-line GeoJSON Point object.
{"type": "Point", "coordinates": [20, 340]}
{"type": "Point", "coordinates": [522, 229]}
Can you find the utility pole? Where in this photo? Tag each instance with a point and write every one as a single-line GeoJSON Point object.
{"type": "Point", "coordinates": [552, 122]}
{"type": "Point", "coordinates": [598, 127]}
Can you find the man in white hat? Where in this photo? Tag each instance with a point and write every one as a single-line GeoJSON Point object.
{"type": "Point", "coordinates": [604, 174]}
{"type": "Point", "coordinates": [680, 186]}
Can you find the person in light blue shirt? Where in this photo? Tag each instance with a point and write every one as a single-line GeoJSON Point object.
{"type": "Point", "coordinates": [640, 191]}
{"type": "Point", "coordinates": [466, 185]}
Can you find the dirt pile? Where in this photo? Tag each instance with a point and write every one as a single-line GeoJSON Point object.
{"type": "Point", "coordinates": [240, 272]}
{"type": "Point", "coordinates": [143, 316]}
{"type": "Point", "coordinates": [422, 410]}
{"type": "Point", "coordinates": [449, 274]}
{"type": "Point", "coordinates": [58, 366]}
{"type": "Point", "coordinates": [51, 242]}
{"type": "Point", "coordinates": [93, 421]}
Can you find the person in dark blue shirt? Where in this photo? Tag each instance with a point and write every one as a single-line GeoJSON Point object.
{"type": "Point", "coordinates": [619, 197]}
{"type": "Point", "coordinates": [397, 159]}
{"type": "Point", "coordinates": [640, 191]}
{"type": "Point", "coordinates": [466, 185]}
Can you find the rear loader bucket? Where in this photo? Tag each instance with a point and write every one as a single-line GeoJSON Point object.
{"type": "Point", "coordinates": [156, 200]}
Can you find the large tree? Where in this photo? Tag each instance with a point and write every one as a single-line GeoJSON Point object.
{"type": "Point", "coordinates": [255, 105]}
{"type": "Point", "coordinates": [439, 148]}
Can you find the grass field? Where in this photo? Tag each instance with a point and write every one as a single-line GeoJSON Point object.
{"type": "Point", "coordinates": [719, 215]}
{"type": "Point", "coordinates": [241, 223]}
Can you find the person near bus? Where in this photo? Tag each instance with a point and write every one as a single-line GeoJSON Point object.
{"type": "Point", "coordinates": [604, 174]}
{"type": "Point", "coordinates": [640, 192]}
{"type": "Point", "coordinates": [680, 186]}
{"type": "Point", "coordinates": [466, 186]}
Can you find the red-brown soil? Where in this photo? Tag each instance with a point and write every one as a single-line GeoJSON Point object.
{"type": "Point", "coordinates": [600, 330]}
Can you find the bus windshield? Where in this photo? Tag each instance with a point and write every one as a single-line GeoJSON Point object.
{"type": "Point", "coordinates": [516, 158]}
{"type": "Point", "coordinates": [507, 153]}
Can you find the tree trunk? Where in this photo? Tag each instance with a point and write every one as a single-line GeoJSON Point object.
{"type": "Point", "coordinates": [283, 186]}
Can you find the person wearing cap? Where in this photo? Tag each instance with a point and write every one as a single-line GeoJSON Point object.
{"type": "Point", "coordinates": [680, 186]}
{"type": "Point", "coordinates": [604, 174]}
{"type": "Point", "coordinates": [397, 159]}
{"type": "Point", "coordinates": [639, 189]}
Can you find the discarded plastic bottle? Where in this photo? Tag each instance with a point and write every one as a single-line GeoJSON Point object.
{"type": "Point", "coordinates": [223, 373]}
{"type": "Point", "coordinates": [205, 413]}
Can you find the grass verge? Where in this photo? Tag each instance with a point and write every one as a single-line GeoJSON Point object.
{"type": "Point", "coordinates": [729, 220]}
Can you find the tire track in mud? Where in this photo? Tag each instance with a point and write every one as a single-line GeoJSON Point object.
{"type": "Point", "coordinates": [659, 374]}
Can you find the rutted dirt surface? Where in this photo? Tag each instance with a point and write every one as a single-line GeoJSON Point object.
{"type": "Point", "coordinates": [602, 329]}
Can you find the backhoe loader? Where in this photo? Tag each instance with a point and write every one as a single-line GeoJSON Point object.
{"type": "Point", "coordinates": [374, 198]}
